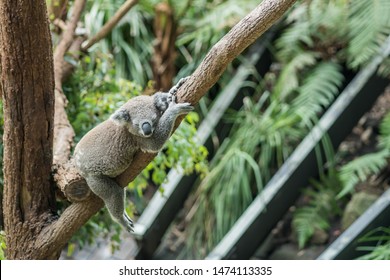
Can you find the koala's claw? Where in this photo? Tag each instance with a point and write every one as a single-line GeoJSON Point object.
{"type": "Point", "coordinates": [182, 81]}
{"type": "Point", "coordinates": [128, 223]}
{"type": "Point", "coordinates": [184, 108]}
{"type": "Point", "coordinates": [171, 98]}
{"type": "Point", "coordinates": [174, 89]}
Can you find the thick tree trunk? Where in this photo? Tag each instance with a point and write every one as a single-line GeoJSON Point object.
{"type": "Point", "coordinates": [28, 97]}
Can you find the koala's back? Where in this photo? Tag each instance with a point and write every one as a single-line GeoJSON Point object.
{"type": "Point", "coordinates": [108, 149]}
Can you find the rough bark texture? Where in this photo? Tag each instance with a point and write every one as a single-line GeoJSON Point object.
{"type": "Point", "coordinates": [205, 76]}
{"type": "Point", "coordinates": [63, 130]}
{"type": "Point", "coordinates": [28, 86]}
{"type": "Point", "coordinates": [164, 55]}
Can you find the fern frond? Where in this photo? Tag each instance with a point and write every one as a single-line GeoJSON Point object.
{"type": "Point", "coordinates": [384, 129]}
{"type": "Point", "coordinates": [321, 207]}
{"type": "Point", "coordinates": [288, 80]}
{"type": "Point", "coordinates": [318, 90]}
{"type": "Point", "coordinates": [359, 169]}
{"type": "Point", "coordinates": [306, 220]}
{"type": "Point", "coordinates": [313, 23]}
{"type": "Point", "coordinates": [384, 68]}
{"type": "Point", "coordinates": [209, 26]}
{"type": "Point", "coordinates": [296, 35]}
{"type": "Point", "coordinates": [369, 25]}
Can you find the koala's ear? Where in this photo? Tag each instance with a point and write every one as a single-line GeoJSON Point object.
{"type": "Point", "coordinates": [121, 117]}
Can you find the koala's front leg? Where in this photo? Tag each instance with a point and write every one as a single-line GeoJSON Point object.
{"type": "Point", "coordinates": [163, 99]}
{"type": "Point", "coordinates": [165, 126]}
{"type": "Point", "coordinates": [113, 196]}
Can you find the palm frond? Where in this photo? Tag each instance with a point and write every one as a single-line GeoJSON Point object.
{"type": "Point", "coordinates": [369, 25]}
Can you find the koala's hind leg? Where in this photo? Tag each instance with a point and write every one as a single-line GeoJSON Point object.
{"type": "Point", "coordinates": [113, 196]}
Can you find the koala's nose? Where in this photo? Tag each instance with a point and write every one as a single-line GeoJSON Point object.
{"type": "Point", "coordinates": [147, 129]}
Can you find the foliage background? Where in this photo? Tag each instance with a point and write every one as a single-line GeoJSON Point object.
{"type": "Point", "coordinates": [319, 43]}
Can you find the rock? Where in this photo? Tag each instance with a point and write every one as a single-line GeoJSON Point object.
{"type": "Point", "coordinates": [265, 248]}
{"type": "Point", "coordinates": [359, 203]}
{"type": "Point", "coordinates": [319, 237]}
{"type": "Point", "coordinates": [290, 251]}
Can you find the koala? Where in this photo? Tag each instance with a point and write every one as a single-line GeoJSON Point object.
{"type": "Point", "coordinates": [143, 123]}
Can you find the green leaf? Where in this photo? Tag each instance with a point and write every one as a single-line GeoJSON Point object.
{"type": "Point", "coordinates": [369, 25]}
{"type": "Point", "coordinates": [359, 169]}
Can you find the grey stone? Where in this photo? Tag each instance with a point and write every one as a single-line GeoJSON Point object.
{"type": "Point", "coordinates": [359, 203]}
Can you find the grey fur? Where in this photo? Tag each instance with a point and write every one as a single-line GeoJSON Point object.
{"type": "Point", "coordinates": [143, 123]}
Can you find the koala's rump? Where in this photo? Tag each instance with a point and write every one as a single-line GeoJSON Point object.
{"type": "Point", "coordinates": [107, 149]}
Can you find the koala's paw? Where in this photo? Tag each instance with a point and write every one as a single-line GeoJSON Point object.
{"type": "Point", "coordinates": [171, 99]}
{"type": "Point", "coordinates": [183, 108]}
{"type": "Point", "coordinates": [128, 223]}
{"type": "Point", "coordinates": [162, 100]}
{"type": "Point", "coordinates": [182, 81]}
{"type": "Point", "coordinates": [174, 89]}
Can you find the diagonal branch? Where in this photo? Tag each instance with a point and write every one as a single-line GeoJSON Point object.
{"type": "Point", "coordinates": [122, 11]}
{"type": "Point", "coordinates": [204, 77]}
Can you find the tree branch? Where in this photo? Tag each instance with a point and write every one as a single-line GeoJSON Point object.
{"type": "Point", "coordinates": [204, 77]}
{"type": "Point", "coordinates": [63, 131]}
{"type": "Point", "coordinates": [122, 11]}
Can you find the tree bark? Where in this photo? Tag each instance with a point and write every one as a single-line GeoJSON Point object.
{"type": "Point", "coordinates": [63, 130]}
{"type": "Point", "coordinates": [27, 87]}
{"type": "Point", "coordinates": [164, 56]}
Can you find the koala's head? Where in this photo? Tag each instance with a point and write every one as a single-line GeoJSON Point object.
{"type": "Point", "coordinates": [139, 115]}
